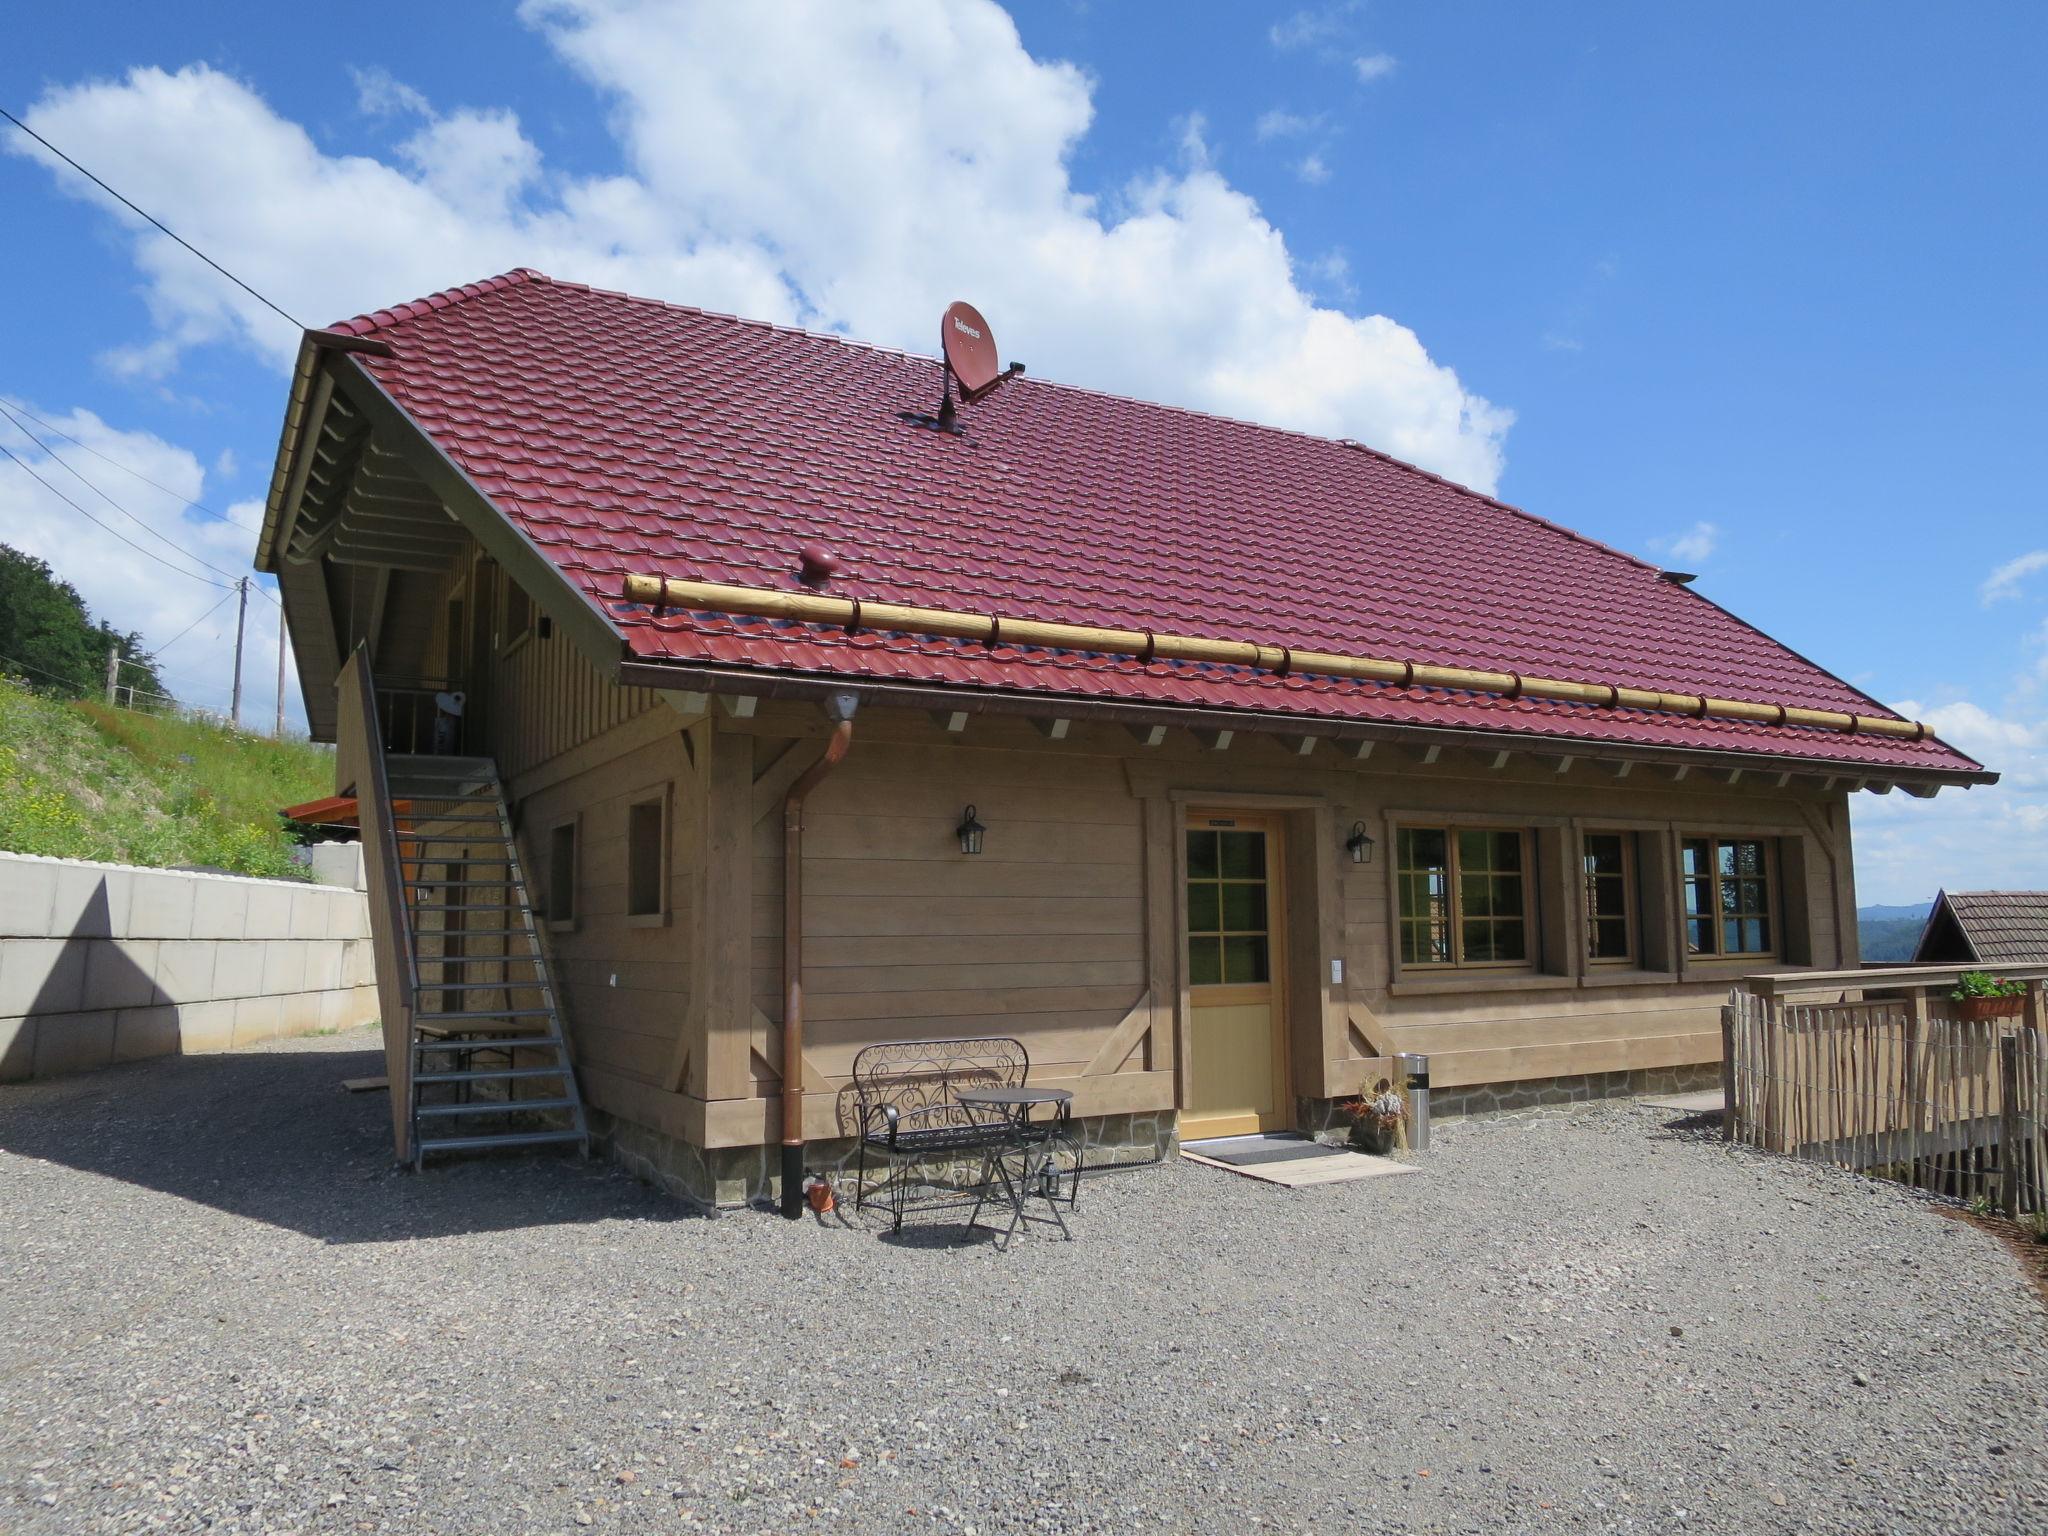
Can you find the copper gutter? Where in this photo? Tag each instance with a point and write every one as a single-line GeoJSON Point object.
{"type": "Point", "coordinates": [836, 746]}
{"type": "Point", "coordinates": [854, 614]}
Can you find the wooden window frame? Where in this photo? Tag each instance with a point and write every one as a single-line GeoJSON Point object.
{"type": "Point", "coordinates": [1774, 902]}
{"type": "Point", "coordinates": [509, 593]}
{"type": "Point", "coordinates": [1530, 919]}
{"type": "Point", "coordinates": [661, 797]}
{"type": "Point", "coordinates": [574, 826]}
{"type": "Point", "coordinates": [1270, 879]}
{"type": "Point", "coordinates": [1631, 899]}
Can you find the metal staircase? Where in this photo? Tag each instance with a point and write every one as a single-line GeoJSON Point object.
{"type": "Point", "coordinates": [490, 1068]}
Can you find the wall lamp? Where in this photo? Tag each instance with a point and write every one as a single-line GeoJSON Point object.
{"type": "Point", "coordinates": [1358, 845]}
{"type": "Point", "coordinates": [969, 832]}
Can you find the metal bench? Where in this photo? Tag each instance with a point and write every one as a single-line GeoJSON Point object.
{"type": "Point", "coordinates": [906, 1098]}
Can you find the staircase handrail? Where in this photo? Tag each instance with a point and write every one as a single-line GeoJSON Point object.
{"type": "Point", "coordinates": [359, 767]}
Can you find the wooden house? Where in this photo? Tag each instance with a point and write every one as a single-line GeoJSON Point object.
{"type": "Point", "coordinates": [1215, 763]}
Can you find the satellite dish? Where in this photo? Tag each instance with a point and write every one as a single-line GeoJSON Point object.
{"type": "Point", "coordinates": [970, 348]}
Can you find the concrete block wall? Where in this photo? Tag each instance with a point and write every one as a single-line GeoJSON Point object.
{"type": "Point", "coordinates": [102, 963]}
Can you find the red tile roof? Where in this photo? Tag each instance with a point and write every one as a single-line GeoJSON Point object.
{"type": "Point", "coordinates": [624, 435]}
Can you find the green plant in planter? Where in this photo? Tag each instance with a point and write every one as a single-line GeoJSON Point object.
{"type": "Point", "coordinates": [1983, 984]}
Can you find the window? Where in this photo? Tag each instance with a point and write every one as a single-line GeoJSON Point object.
{"type": "Point", "coordinates": [562, 875]}
{"type": "Point", "coordinates": [1463, 896]}
{"type": "Point", "coordinates": [518, 611]}
{"type": "Point", "coordinates": [646, 865]}
{"type": "Point", "coordinates": [1229, 940]}
{"type": "Point", "coordinates": [1727, 888]}
{"type": "Point", "coordinates": [1610, 875]}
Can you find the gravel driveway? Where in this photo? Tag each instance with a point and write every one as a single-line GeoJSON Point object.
{"type": "Point", "coordinates": [222, 1312]}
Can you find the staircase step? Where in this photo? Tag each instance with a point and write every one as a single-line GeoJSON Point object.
{"type": "Point", "coordinates": [482, 1143]}
{"type": "Point", "coordinates": [499, 1075]}
{"type": "Point", "coordinates": [453, 863]}
{"type": "Point", "coordinates": [471, 986]}
{"type": "Point", "coordinates": [491, 1107]}
{"type": "Point", "coordinates": [443, 1014]}
{"type": "Point", "coordinates": [430, 885]}
{"type": "Point", "coordinates": [492, 1043]}
{"type": "Point", "coordinates": [476, 933]}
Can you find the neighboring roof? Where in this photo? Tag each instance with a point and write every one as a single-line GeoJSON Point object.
{"type": "Point", "coordinates": [627, 436]}
{"type": "Point", "coordinates": [2000, 927]}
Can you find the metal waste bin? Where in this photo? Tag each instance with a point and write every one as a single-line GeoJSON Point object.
{"type": "Point", "coordinates": [1413, 1068]}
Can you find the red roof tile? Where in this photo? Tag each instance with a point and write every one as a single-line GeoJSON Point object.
{"type": "Point", "coordinates": [627, 435]}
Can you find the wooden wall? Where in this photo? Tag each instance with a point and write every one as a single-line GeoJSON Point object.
{"type": "Point", "coordinates": [1065, 931]}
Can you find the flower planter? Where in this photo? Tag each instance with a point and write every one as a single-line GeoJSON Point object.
{"type": "Point", "coordinates": [1974, 1010]}
{"type": "Point", "coordinates": [1368, 1136]}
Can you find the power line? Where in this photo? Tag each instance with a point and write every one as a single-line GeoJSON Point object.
{"type": "Point", "coordinates": [197, 506]}
{"type": "Point", "coordinates": [29, 470]}
{"type": "Point", "coordinates": [216, 608]}
{"type": "Point", "coordinates": [103, 496]}
{"type": "Point", "coordinates": [159, 223]}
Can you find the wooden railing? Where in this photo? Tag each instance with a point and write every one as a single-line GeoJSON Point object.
{"type": "Point", "coordinates": [1878, 1071]}
{"type": "Point", "coordinates": [359, 769]}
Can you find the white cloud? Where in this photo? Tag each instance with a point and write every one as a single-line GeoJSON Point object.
{"type": "Point", "coordinates": [1986, 838]}
{"type": "Point", "coordinates": [1374, 66]}
{"type": "Point", "coordinates": [1278, 123]}
{"type": "Point", "coordinates": [1310, 28]}
{"type": "Point", "coordinates": [1557, 341]}
{"type": "Point", "coordinates": [128, 577]}
{"type": "Point", "coordinates": [2005, 581]}
{"type": "Point", "coordinates": [851, 168]}
{"type": "Point", "coordinates": [1313, 170]}
{"type": "Point", "coordinates": [1692, 547]}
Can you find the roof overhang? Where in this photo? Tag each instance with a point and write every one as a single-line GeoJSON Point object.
{"type": "Point", "coordinates": [1355, 740]}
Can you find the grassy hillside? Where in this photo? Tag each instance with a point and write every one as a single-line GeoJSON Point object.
{"type": "Point", "coordinates": [81, 781]}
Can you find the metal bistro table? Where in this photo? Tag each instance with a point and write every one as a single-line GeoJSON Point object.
{"type": "Point", "coordinates": [1024, 1139]}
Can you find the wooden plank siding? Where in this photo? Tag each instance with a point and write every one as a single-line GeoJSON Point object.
{"type": "Point", "coordinates": [1065, 931]}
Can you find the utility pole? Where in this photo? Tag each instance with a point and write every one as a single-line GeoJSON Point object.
{"type": "Point", "coordinates": [279, 733]}
{"type": "Point", "coordinates": [241, 623]}
{"type": "Point", "coordinates": [113, 671]}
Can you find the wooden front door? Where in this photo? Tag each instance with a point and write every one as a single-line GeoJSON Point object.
{"type": "Point", "coordinates": [1237, 1059]}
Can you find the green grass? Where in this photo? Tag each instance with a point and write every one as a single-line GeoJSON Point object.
{"type": "Point", "coordinates": [79, 780]}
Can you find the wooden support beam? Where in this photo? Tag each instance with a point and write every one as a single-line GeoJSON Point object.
{"type": "Point", "coordinates": [1622, 767]}
{"type": "Point", "coordinates": [1215, 741]}
{"type": "Point", "coordinates": [1299, 746]}
{"type": "Point", "coordinates": [1426, 756]}
{"type": "Point", "coordinates": [1147, 735]}
{"type": "Point", "coordinates": [1921, 791]}
{"type": "Point", "coordinates": [1360, 749]}
{"type": "Point", "coordinates": [953, 721]}
{"type": "Point", "coordinates": [740, 706]}
{"type": "Point", "coordinates": [1878, 787]}
{"type": "Point", "coordinates": [1053, 729]}
{"type": "Point", "coordinates": [1680, 772]}
{"type": "Point", "coordinates": [1564, 763]}
{"type": "Point", "coordinates": [1731, 775]}
{"type": "Point", "coordinates": [1498, 760]}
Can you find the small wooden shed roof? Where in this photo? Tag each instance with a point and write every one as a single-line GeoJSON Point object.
{"type": "Point", "coordinates": [1986, 928]}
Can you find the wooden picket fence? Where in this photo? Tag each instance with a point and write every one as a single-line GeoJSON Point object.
{"type": "Point", "coordinates": [1894, 1087]}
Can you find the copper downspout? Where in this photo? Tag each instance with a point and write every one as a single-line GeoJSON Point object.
{"type": "Point", "coordinates": [841, 707]}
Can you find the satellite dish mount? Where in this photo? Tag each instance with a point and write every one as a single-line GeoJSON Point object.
{"type": "Point", "coordinates": [968, 349]}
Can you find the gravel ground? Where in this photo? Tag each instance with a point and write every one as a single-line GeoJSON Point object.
{"type": "Point", "coordinates": [223, 1312]}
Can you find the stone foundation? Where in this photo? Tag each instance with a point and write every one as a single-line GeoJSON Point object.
{"type": "Point", "coordinates": [730, 1177]}
{"type": "Point", "coordinates": [1564, 1092]}
{"type": "Point", "coordinates": [1322, 1119]}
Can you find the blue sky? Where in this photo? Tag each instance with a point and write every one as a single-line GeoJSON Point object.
{"type": "Point", "coordinates": [1752, 290]}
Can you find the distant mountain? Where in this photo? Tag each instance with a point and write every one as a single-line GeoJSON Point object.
{"type": "Point", "coordinates": [1890, 933]}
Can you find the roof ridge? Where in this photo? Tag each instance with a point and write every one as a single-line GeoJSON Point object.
{"type": "Point", "coordinates": [412, 309]}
